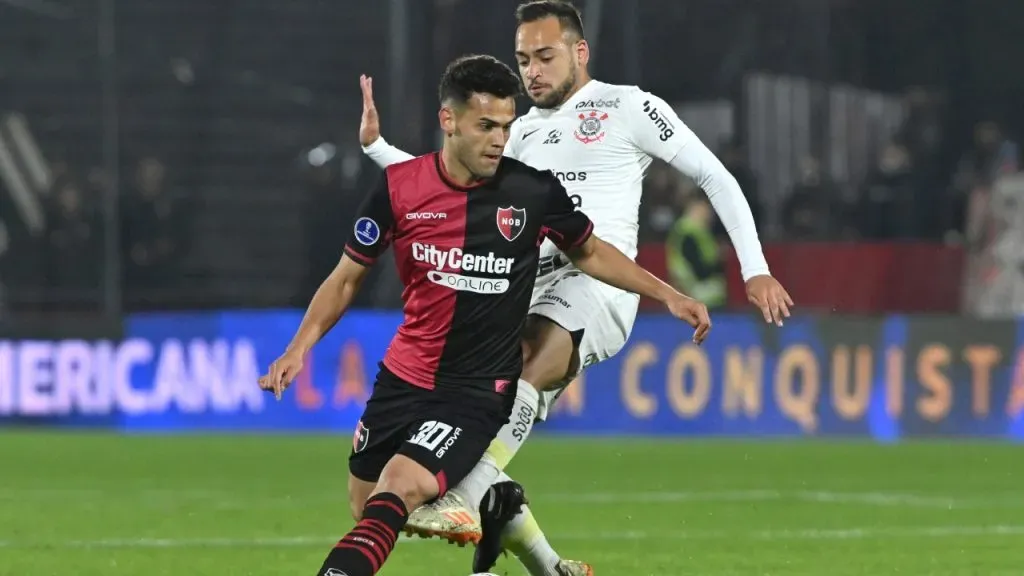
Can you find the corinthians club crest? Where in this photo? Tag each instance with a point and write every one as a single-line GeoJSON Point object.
{"type": "Point", "coordinates": [591, 128]}
{"type": "Point", "coordinates": [511, 222]}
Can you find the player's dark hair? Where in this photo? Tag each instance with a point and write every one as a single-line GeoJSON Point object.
{"type": "Point", "coordinates": [477, 74]}
{"type": "Point", "coordinates": [568, 15]}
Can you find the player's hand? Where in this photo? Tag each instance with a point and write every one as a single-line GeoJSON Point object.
{"type": "Point", "coordinates": [693, 313]}
{"type": "Point", "coordinates": [770, 297]}
{"type": "Point", "coordinates": [369, 126]}
{"type": "Point", "coordinates": [281, 373]}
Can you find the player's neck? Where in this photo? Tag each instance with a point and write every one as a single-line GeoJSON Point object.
{"type": "Point", "coordinates": [454, 170]}
{"type": "Point", "coordinates": [580, 83]}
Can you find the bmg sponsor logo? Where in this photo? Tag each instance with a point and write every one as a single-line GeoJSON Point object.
{"type": "Point", "coordinates": [665, 127]}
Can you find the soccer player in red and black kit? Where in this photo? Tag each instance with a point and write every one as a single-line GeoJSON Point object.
{"type": "Point", "coordinates": [465, 225]}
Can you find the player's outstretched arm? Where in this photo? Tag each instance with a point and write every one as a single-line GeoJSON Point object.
{"type": "Point", "coordinates": [658, 131]}
{"type": "Point", "coordinates": [330, 302]}
{"type": "Point", "coordinates": [605, 262]}
{"type": "Point", "coordinates": [370, 237]}
{"type": "Point", "coordinates": [374, 145]}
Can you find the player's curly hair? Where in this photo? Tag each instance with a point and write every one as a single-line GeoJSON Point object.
{"type": "Point", "coordinates": [477, 74]}
{"type": "Point", "coordinates": [568, 15]}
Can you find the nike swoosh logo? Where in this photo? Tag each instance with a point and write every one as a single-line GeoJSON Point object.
{"type": "Point", "coordinates": [530, 133]}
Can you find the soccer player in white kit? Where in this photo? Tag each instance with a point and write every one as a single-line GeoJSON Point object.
{"type": "Point", "coordinates": [598, 139]}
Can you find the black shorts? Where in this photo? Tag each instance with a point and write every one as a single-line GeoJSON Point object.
{"type": "Point", "coordinates": [446, 430]}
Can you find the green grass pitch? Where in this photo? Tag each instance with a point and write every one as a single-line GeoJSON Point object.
{"type": "Point", "coordinates": [104, 505]}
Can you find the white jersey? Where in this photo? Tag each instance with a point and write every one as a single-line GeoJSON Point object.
{"type": "Point", "coordinates": [600, 144]}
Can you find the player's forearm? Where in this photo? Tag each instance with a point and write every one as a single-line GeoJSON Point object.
{"type": "Point", "coordinates": [599, 259]}
{"type": "Point", "coordinates": [729, 203]}
{"type": "Point", "coordinates": [384, 154]}
{"type": "Point", "coordinates": [328, 305]}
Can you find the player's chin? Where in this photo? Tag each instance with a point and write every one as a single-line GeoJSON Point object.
{"type": "Point", "coordinates": [543, 98]}
{"type": "Point", "coordinates": [489, 165]}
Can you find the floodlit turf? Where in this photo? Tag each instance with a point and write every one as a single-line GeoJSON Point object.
{"type": "Point", "coordinates": [101, 505]}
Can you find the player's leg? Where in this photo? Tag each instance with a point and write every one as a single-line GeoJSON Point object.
{"type": "Point", "coordinates": [508, 523]}
{"type": "Point", "coordinates": [524, 538]}
{"type": "Point", "coordinates": [604, 336]}
{"type": "Point", "coordinates": [389, 413]}
{"type": "Point", "coordinates": [448, 434]}
{"type": "Point", "coordinates": [359, 492]}
{"type": "Point", "coordinates": [404, 484]}
{"type": "Point", "coordinates": [548, 357]}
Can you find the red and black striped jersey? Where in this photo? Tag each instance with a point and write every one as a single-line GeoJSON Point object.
{"type": "Point", "coordinates": [467, 257]}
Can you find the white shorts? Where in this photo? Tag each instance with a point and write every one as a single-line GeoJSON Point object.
{"type": "Point", "coordinates": [577, 302]}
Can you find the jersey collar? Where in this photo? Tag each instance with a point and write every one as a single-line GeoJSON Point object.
{"type": "Point", "coordinates": [580, 94]}
{"type": "Point", "coordinates": [443, 174]}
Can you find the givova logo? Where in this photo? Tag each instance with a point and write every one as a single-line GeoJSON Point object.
{"type": "Point", "coordinates": [42, 378]}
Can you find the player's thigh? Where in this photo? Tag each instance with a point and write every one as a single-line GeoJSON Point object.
{"type": "Point", "coordinates": [384, 426]}
{"type": "Point", "coordinates": [454, 433]}
{"type": "Point", "coordinates": [570, 306]}
{"type": "Point", "coordinates": [547, 351]}
{"type": "Point", "coordinates": [555, 326]}
{"type": "Point", "coordinates": [604, 336]}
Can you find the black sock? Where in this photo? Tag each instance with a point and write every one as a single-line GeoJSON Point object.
{"type": "Point", "coordinates": [367, 546]}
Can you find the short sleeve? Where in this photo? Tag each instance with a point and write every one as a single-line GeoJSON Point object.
{"type": "Point", "coordinates": [563, 224]}
{"type": "Point", "coordinates": [374, 226]}
{"type": "Point", "coordinates": [655, 126]}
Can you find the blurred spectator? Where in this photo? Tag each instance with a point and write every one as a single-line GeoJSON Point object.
{"type": "Point", "coordinates": [694, 260]}
{"type": "Point", "coordinates": [923, 136]}
{"type": "Point", "coordinates": [992, 155]}
{"type": "Point", "coordinates": [74, 242]}
{"type": "Point", "coordinates": [154, 234]}
{"type": "Point", "coordinates": [807, 213]}
{"type": "Point", "coordinates": [887, 205]}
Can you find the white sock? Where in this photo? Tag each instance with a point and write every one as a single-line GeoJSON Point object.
{"type": "Point", "coordinates": [503, 448]}
{"type": "Point", "coordinates": [524, 538]}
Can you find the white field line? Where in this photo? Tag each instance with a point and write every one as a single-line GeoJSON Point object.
{"type": "Point", "coordinates": [227, 500]}
{"type": "Point", "coordinates": [768, 535]}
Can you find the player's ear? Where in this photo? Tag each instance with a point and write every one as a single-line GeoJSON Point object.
{"type": "Point", "coordinates": [583, 52]}
{"type": "Point", "coordinates": [446, 117]}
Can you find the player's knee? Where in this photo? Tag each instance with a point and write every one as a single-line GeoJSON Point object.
{"type": "Point", "coordinates": [356, 506]}
{"type": "Point", "coordinates": [358, 492]}
{"type": "Point", "coordinates": [411, 482]}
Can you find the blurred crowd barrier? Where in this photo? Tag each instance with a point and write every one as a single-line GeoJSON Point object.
{"type": "Point", "coordinates": [165, 155]}
{"type": "Point", "coordinates": [882, 378]}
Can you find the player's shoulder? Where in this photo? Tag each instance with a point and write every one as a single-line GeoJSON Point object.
{"type": "Point", "coordinates": [412, 163]}
{"type": "Point", "coordinates": [511, 167]}
{"type": "Point", "coordinates": [411, 169]}
{"type": "Point", "coordinates": [517, 125]}
{"type": "Point", "coordinates": [605, 96]}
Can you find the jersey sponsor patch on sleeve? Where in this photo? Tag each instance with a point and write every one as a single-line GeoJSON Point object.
{"type": "Point", "coordinates": [662, 123]}
{"type": "Point", "coordinates": [367, 232]}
